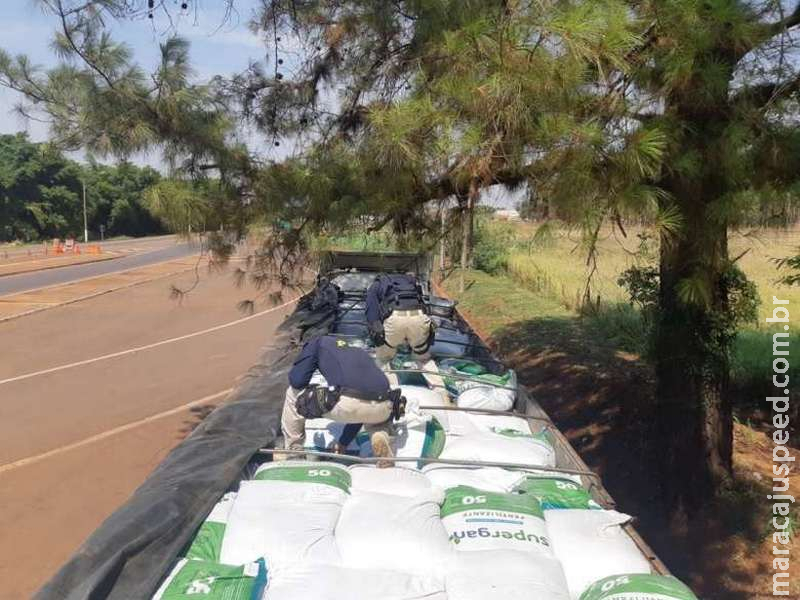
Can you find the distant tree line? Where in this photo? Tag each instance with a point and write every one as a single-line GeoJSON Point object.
{"type": "Point", "coordinates": [41, 194]}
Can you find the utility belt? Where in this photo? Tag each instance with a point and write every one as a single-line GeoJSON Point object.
{"type": "Point", "coordinates": [411, 312]}
{"type": "Point", "coordinates": [316, 401]}
{"type": "Point", "coordinates": [402, 304]}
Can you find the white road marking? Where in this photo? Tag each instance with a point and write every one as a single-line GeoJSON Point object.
{"type": "Point", "coordinates": [111, 432]}
{"type": "Point", "coordinates": [187, 336]}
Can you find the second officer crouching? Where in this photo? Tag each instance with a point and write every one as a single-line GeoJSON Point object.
{"type": "Point", "coordinates": [396, 314]}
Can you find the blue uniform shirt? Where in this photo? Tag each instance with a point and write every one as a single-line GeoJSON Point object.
{"type": "Point", "coordinates": [376, 294]}
{"type": "Point", "coordinates": [340, 365]}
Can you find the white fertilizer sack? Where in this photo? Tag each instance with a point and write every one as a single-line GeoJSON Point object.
{"type": "Point", "coordinates": [640, 587]}
{"type": "Point", "coordinates": [480, 520]}
{"type": "Point", "coordinates": [487, 397]}
{"type": "Point", "coordinates": [203, 579]}
{"type": "Point", "coordinates": [322, 582]}
{"type": "Point", "coordinates": [495, 423]}
{"type": "Point", "coordinates": [207, 542]}
{"type": "Point", "coordinates": [382, 531]}
{"type": "Point", "coordinates": [504, 575]}
{"type": "Point", "coordinates": [492, 479]}
{"type": "Point", "coordinates": [287, 514]}
{"type": "Point", "coordinates": [417, 396]}
{"type": "Point", "coordinates": [453, 422]}
{"type": "Point", "coordinates": [504, 447]}
{"type": "Point", "coordinates": [591, 545]}
{"type": "Point", "coordinates": [305, 478]}
{"type": "Point", "coordinates": [394, 481]}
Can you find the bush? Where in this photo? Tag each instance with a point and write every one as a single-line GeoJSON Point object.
{"type": "Point", "coordinates": [751, 366]}
{"type": "Point", "coordinates": [491, 245]}
{"type": "Point", "coordinates": [622, 326]}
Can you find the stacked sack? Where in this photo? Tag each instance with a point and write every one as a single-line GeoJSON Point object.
{"type": "Point", "coordinates": [502, 548]}
{"type": "Point", "coordinates": [192, 578]}
{"type": "Point", "coordinates": [287, 513]}
{"type": "Point", "coordinates": [207, 542]}
{"type": "Point", "coordinates": [493, 440]}
{"type": "Point", "coordinates": [460, 375]}
{"type": "Point", "coordinates": [590, 542]}
{"type": "Point", "coordinates": [320, 530]}
{"type": "Point", "coordinates": [488, 438]}
{"type": "Point", "coordinates": [276, 538]}
{"type": "Point", "coordinates": [393, 521]}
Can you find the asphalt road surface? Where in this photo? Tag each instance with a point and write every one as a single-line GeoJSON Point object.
{"type": "Point", "coordinates": [74, 443]}
{"type": "Point", "coordinates": [12, 252]}
{"type": "Point", "coordinates": [23, 282]}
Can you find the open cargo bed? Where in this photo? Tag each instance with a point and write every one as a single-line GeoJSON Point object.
{"type": "Point", "coordinates": [129, 555]}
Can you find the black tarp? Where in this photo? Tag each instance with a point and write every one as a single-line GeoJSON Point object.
{"type": "Point", "coordinates": [129, 554]}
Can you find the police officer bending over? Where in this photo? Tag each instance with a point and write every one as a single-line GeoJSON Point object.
{"type": "Point", "coordinates": [357, 391]}
{"type": "Point", "coordinates": [396, 314]}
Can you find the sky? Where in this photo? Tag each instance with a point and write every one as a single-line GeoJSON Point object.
{"type": "Point", "coordinates": [217, 47]}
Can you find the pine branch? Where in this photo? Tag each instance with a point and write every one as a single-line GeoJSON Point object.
{"type": "Point", "coordinates": [770, 30]}
{"type": "Point", "coordinates": [792, 20]}
{"type": "Point", "coordinates": [764, 95]}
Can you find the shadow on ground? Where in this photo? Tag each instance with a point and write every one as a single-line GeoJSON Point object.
{"type": "Point", "coordinates": [602, 398]}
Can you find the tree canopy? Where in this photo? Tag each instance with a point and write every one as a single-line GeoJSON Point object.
{"type": "Point", "coordinates": [41, 194]}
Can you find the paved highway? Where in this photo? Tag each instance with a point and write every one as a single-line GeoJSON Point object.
{"type": "Point", "coordinates": [23, 282]}
{"type": "Point", "coordinates": [10, 252]}
{"type": "Point", "coordinates": [76, 441]}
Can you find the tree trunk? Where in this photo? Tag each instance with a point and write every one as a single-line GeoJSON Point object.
{"type": "Point", "coordinates": [468, 224]}
{"type": "Point", "coordinates": [693, 418]}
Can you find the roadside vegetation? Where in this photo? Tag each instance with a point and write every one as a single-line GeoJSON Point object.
{"type": "Point", "coordinates": [41, 195]}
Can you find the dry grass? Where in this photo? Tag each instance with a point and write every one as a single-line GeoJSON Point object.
{"type": "Point", "coordinates": [555, 264]}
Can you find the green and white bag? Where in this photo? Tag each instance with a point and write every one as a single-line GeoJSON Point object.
{"type": "Point", "coordinates": [638, 587]}
{"type": "Point", "coordinates": [557, 493]}
{"type": "Point", "coordinates": [287, 514]}
{"type": "Point", "coordinates": [207, 542]}
{"type": "Point", "coordinates": [477, 375]}
{"type": "Point", "coordinates": [199, 578]}
{"type": "Point", "coordinates": [301, 472]}
{"type": "Point", "coordinates": [480, 520]}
